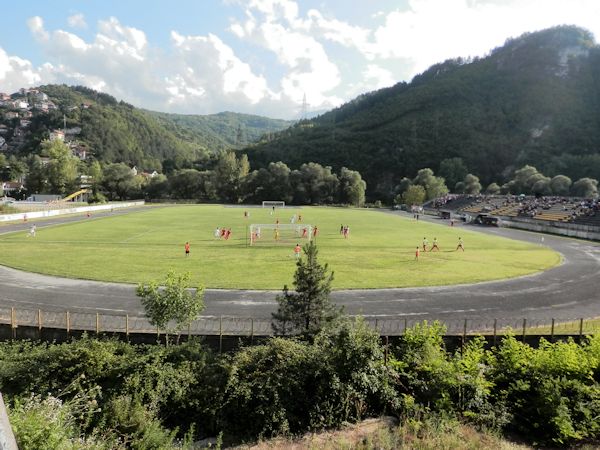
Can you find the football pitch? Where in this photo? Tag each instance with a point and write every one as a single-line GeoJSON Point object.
{"type": "Point", "coordinates": [378, 253]}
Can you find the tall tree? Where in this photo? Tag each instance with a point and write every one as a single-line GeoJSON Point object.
{"type": "Point", "coordinates": [314, 184]}
{"type": "Point", "coordinates": [185, 183]}
{"type": "Point", "coordinates": [308, 308]}
{"type": "Point", "coordinates": [174, 306]}
{"type": "Point", "coordinates": [119, 181]}
{"type": "Point", "coordinates": [560, 185]}
{"type": "Point", "coordinates": [229, 176]}
{"type": "Point", "coordinates": [414, 195]}
{"type": "Point", "coordinates": [492, 189]}
{"type": "Point", "coordinates": [470, 185]}
{"type": "Point", "coordinates": [585, 187]}
{"type": "Point", "coordinates": [434, 186]}
{"type": "Point", "coordinates": [36, 178]}
{"type": "Point", "coordinates": [352, 187]}
{"type": "Point", "coordinates": [453, 170]}
{"type": "Point", "coordinates": [62, 169]}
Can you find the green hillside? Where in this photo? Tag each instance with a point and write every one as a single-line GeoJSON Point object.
{"type": "Point", "coordinates": [115, 131]}
{"type": "Point", "coordinates": [534, 100]}
{"type": "Point", "coordinates": [220, 131]}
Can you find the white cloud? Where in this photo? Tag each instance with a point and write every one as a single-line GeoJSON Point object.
{"type": "Point", "coordinates": [207, 68]}
{"type": "Point", "coordinates": [310, 52]}
{"type": "Point", "coordinates": [77, 21]}
{"type": "Point", "coordinates": [275, 26]}
{"type": "Point", "coordinates": [16, 73]}
{"type": "Point", "coordinates": [36, 26]}
{"type": "Point", "coordinates": [199, 74]}
{"type": "Point", "coordinates": [377, 77]}
{"type": "Point", "coordinates": [430, 31]}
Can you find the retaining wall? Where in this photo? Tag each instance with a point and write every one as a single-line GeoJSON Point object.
{"type": "Point", "coordinates": [543, 226]}
{"type": "Point", "coordinates": [64, 211]}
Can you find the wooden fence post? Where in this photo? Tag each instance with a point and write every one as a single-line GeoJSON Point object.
{"type": "Point", "coordinates": [97, 324]}
{"type": "Point", "coordinates": [552, 331]}
{"type": "Point", "coordinates": [39, 321]}
{"type": "Point", "coordinates": [580, 329]}
{"type": "Point", "coordinates": [495, 330]}
{"type": "Point", "coordinates": [524, 329]}
{"type": "Point", "coordinates": [127, 326]}
{"type": "Point", "coordinates": [13, 322]}
{"type": "Point", "coordinates": [68, 320]}
{"type": "Point", "coordinates": [220, 334]}
{"type": "Point", "coordinates": [387, 345]}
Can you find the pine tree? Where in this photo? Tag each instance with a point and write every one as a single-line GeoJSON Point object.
{"type": "Point", "coordinates": [306, 309]}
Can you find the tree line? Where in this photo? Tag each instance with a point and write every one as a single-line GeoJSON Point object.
{"type": "Point", "coordinates": [225, 177]}
{"type": "Point", "coordinates": [527, 180]}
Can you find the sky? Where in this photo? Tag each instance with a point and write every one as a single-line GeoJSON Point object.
{"type": "Point", "coordinates": [265, 57]}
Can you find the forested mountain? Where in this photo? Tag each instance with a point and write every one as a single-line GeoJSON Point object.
{"type": "Point", "coordinates": [115, 131]}
{"type": "Point", "coordinates": [220, 131]}
{"type": "Point", "coordinates": [535, 100]}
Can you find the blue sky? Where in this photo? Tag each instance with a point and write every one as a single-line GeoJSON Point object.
{"type": "Point", "coordinates": [256, 56]}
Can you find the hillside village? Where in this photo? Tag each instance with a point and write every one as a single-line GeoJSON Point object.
{"type": "Point", "coordinates": [17, 111]}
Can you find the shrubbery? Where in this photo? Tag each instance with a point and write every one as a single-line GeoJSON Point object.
{"type": "Point", "coordinates": [108, 394]}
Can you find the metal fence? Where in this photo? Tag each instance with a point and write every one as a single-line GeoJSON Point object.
{"type": "Point", "coordinates": [236, 326]}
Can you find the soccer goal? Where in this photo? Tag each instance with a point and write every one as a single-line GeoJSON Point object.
{"type": "Point", "coordinates": [273, 204]}
{"type": "Point", "coordinates": [273, 234]}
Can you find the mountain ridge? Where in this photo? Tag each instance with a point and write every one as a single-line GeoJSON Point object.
{"type": "Point", "coordinates": [535, 100]}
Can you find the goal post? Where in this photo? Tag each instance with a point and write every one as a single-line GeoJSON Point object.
{"type": "Point", "coordinates": [273, 204]}
{"type": "Point", "coordinates": [276, 234]}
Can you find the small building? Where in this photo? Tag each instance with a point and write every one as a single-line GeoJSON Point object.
{"type": "Point", "coordinates": [80, 152]}
{"type": "Point", "coordinates": [57, 135]}
{"type": "Point", "coordinates": [12, 187]}
{"type": "Point", "coordinates": [40, 96]}
{"type": "Point", "coordinates": [149, 174]}
{"type": "Point", "coordinates": [41, 106]}
{"type": "Point", "coordinates": [43, 198]}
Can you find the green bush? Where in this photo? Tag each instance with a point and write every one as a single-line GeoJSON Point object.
{"type": "Point", "coordinates": [95, 393]}
{"type": "Point", "coordinates": [553, 390]}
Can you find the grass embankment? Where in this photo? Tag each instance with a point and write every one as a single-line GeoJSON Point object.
{"type": "Point", "coordinates": [380, 252]}
{"type": "Point", "coordinates": [385, 434]}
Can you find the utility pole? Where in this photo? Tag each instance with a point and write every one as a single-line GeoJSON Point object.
{"type": "Point", "coordinates": [303, 112]}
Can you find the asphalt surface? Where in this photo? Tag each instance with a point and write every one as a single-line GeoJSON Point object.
{"type": "Point", "coordinates": [568, 291]}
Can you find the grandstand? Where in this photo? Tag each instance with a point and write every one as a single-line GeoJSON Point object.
{"type": "Point", "coordinates": [548, 210]}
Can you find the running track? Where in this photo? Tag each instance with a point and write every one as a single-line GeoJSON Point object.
{"type": "Point", "coordinates": [568, 291]}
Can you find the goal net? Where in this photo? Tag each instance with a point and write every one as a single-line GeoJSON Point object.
{"type": "Point", "coordinates": [273, 234]}
{"type": "Point", "coordinates": [273, 203]}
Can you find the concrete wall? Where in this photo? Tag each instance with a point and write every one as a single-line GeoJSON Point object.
{"type": "Point", "coordinates": [228, 342]}
{"type": "Point", "coordinates": [7, 438]}
{"type": "Point", "coordinates": [561, 229]}
{"type": "Point", "coordinates": [64, 211]}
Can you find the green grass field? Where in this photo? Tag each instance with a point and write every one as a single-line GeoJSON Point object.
{"type": "Point", "coordinates": [142, 246]}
